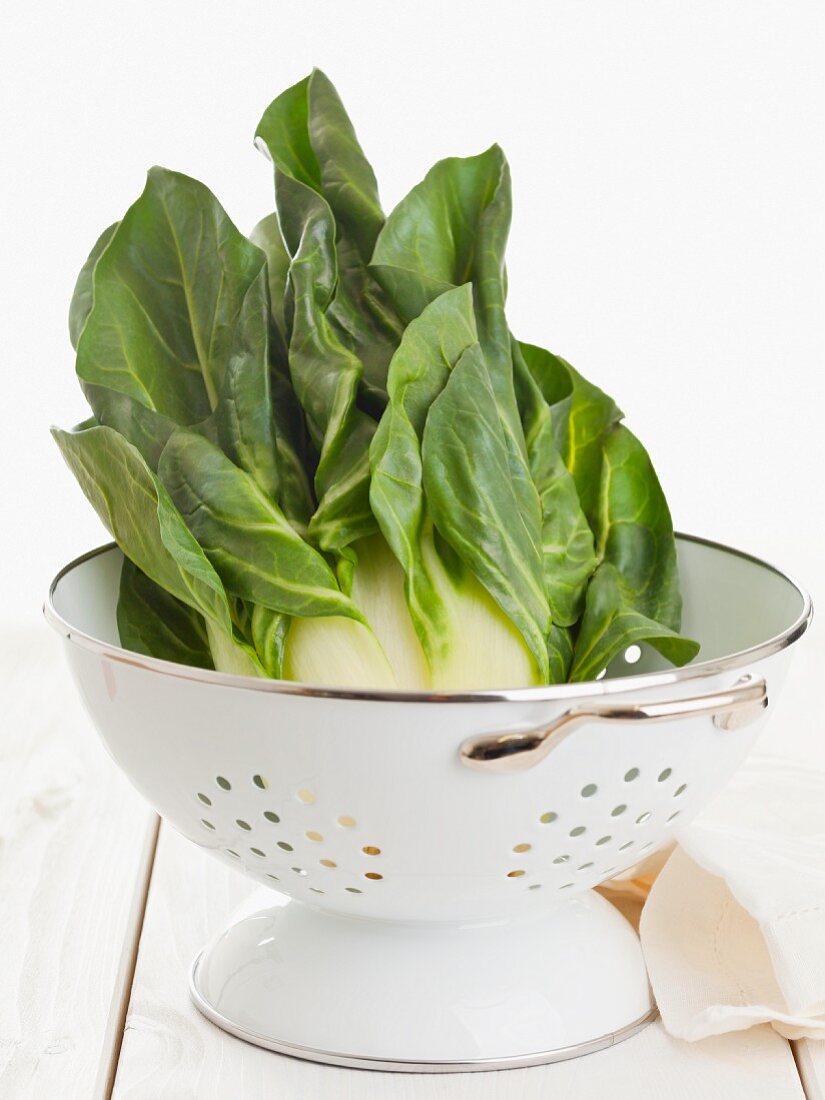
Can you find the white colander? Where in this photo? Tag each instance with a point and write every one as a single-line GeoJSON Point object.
{"type": "Point", "coordinates": [429, 859]}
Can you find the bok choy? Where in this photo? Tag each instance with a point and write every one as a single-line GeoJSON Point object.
{"type": "Point", "coordinates": [325, 456]}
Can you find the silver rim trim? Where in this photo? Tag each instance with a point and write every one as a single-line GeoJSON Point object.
{"type": "Point", "coordinates": [392, 1065]}
{"type": "Point", "coordinates": [548, 693]}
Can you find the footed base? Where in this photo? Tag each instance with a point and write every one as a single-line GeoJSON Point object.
{"type": "Point", "coordinates": [420, 997]}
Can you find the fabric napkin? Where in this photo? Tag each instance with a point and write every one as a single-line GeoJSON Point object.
{"type": "Point", "coordinates": [733, 925]}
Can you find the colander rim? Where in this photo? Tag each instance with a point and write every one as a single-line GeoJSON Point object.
{"type": "Point", "coordinates": [544, 693]}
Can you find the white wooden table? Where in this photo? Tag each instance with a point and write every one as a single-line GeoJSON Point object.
{"type": "Point", "coordinates": [102, 910]}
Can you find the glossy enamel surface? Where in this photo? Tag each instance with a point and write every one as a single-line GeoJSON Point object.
{"type": "Point", "coordinates": [357, 805]}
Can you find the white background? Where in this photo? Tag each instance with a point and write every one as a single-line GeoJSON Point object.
{"type": "Point", "coordinates": [668, 236]}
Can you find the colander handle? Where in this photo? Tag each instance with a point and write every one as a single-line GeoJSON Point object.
{"type": "Point", "coordinates": [730, 709]}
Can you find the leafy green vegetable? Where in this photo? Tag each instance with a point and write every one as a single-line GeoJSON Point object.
{"type": "Point", "coordinates": [430, 348]}
{"type": "Point", "coordinates": [474, 501]}
{"type": "Point", "coordinates": [293, 449]}
{"type": "Point", "coordinates": [83, 293]}
{"type": "Point", "coordinates": [568, 550]}
{"type": "Point", "coordinates": [245, 536]}
{"type": "Point", "coordinates": [139, 513]}
{"type": "Point", "coordinates": [326, 377]}
{"type": "Point", "coordinates": [179, 320]}
{"type": "Point", "coordinates": [152, 621]}
{"type": "Point", "coordinates": [634, 594]}
{"type": "Point", "coordinates": [310, 139]}
{"type": "Point", "coordinates": [324, 454]}
{"type": "Point", "coordinates": [452, 229]}
{"type": "Point", "coordinates": [464, 635]}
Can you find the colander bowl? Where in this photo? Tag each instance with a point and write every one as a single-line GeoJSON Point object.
{"type": "Point", "coordinates": [427, 861]}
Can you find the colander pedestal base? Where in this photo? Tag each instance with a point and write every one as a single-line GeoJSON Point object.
{"type": "Point", "coordinates": [425, 997]}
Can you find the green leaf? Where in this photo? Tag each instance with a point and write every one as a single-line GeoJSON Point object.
{"type": "Point", "coordinates": [326, 378]}
{"type": "Point", "coordinates": [180, 320]}
{"type": "Point", "coordinates": [83, 295]}
{"type": "Point", "coordinates": [245, 536]}
{"type": "Point", "coordinates": [145, 429]}
{"type": "Point", "coordinates": [355, 501]}
{"type": "Point", "coordinates": [568, 551]}
{"type": "Point", "coordinates": [634, 594]}
{"type": "Point", "coordinates": [266, 235]}
{"type": "Point", "coordinates": [310, 139]}
{"type": "Point", "coordinates": [451, 229]}
{"type": "Point", "coordinates": [269, 633]}
{"type": "Point", "coordinates": [444, 231]}
{"type": "Point", "coordinates": [294, 459]}
{"type": "Point", "coordinates": [583, 415]}
{"type": "Point", "coordinates": [475, 503]}
{"type": "Point", "coordinates": [431, 346]}
{"type": "Point", "coordinates": [560, 653]}
{"type": "Point", "coordinates": [152, 621]}
{"type": "Point", "coordinates": [139, 513]}
{"type": "Point", "coordinates": [611, 623]}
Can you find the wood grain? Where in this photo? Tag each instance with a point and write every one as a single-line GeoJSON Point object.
{"type": "Point", "coordinates": [76, 846]}
{"type": "Point", "coordinates": [171, 1053]}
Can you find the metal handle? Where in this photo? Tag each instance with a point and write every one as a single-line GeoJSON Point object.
{"type": "Point", "coordinates": [514, 752]}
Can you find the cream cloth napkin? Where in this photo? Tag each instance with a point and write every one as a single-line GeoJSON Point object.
{"type": "Point", "coordinates": [733, 928]}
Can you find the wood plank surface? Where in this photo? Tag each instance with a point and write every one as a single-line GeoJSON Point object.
{"type": "Point", "coordinates": [171, 1053]}
{"type": "Point", "coordinates": [76, 848]}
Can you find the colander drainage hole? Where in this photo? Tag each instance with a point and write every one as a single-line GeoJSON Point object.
{"type": "Point", "coordinates": [373, 875]}
{"type": "Point", "coordinates": [315, 890]}
{"type": "Point", "coordinates": [224, 784]}
{"type": "Point", "coordinates": [284, 846]}
{"type": "Point", "coordinates": [230, 852]}
{"type": "Point", "coordinates": [243, 824]}
{"type": "Point", "coordinates": [371, 850]}
{"type": "Point", "coordinates": [630, 775]}
{"type": "Point", "coordinates": [645, 847]}
{"type": "Point", "coordinates": [589, 790]}
{"type": "Point", "coordinates": [534, 886]}
{"type": "Point", "coordinates": [624, 847]}
{"type": "Point", "coordinates": [580, 830]}
{"type": "Point", "coordinates": [258, 852]}
{"type": "Point", "coordinates": [566, 886]}
{"type": "Point", "coordinates": [273, 877]}
{"type": "Point", "coordinates": [306, 796]}
{"type": "Point", "coordinates": [562, 859]}
{"type": "Point", "coordinates": [548, 818]}
{"type": "Point", "coordinates": [642, 818]}
{"type": "Point", "coordinates": [327, 863]}
{"type": "Point", "coordinates": [522, 847]}
{"type": "Point", "coordinates": [205, 799]}
{"type": "Point", "coordinates": [261, 782]}
{"type": "Point", "coordinates": [672, 816]}
{"type": "Point", "coordinates": [347, 822]}
{"type": "Point", "coordinates": [515, 874]}
{"type": "Point", "coordinates": [586, 866]}
{"type": "Point", "coordinates": [271, 816]}
{"type": "Point", "coordinates": [299, 870]}
{"type": "Point", "coordinates": [310, 834]}
{"type": "Point", "coordinates": [352, 890]}
{"type": "Point", "coordinates": [617, 810]}
{"type": "Point", "coordinates": [680, 790]}
{"type": "Point", "coordinates": [207, 824]}
{"type": "Point", "coordinates": [666, 774]}
{"type": "Point", "coordinates": [603, 840]}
